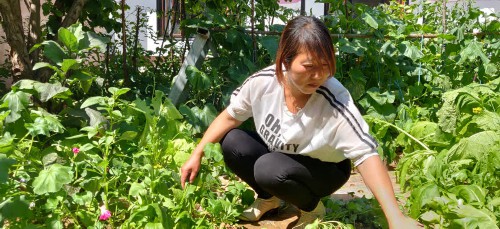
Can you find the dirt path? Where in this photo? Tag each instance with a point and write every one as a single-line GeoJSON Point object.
{"type": "Point", "coordinates": [354, 188]}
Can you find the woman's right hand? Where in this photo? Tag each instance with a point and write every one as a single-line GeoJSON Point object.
{"type": "Point", "coordinates": [219, 127]}
{"type": "Point", "coordinates": [190, 169]}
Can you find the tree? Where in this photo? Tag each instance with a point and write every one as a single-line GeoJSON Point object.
{"type": "Point", "coordinates": [23, 33]}
{"type": "Point", "coordinates": [10, 11]}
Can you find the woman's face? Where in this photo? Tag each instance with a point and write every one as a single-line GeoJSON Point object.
{"type": "Point", "coordinates": [305, 75]}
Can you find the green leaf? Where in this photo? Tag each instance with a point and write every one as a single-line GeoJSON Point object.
{"type": "Point", "coordinates": [44, 123]}
{"type": "Point", "coordinates": [54, 222]}
{"type": "Point", "coordinates": [24, 85]}
{"type": "Point", "coordinates": [68, 64]}
{"type": "Point", "coordinates": [200, 119]}
{"type": "Point", "coordinates": [128, 135]}
{"type": "Point", "coordinates": [484, 121]}
{"type": "Point", "coordinates": [430, 217]}
{"type": "Point", "coordinates": [449, 37]}
{"type": "Point", "coordinates": [270, 43]}
{"type": "Point", "coordinates": [3, 116]}
{"type": "Point", "coordinates": [350, 47]}
{"type": "Point", "coordinates": [76, 30]}
{"type": "Point", "coordinates": [447, 114]}
{"type": "Point", "coordinates": [154, 226]}
{"type": "Point", "coordinates": [181, 150]}
{"type": "Point", "coordinates": [410, 51]}
{"type": "Point", "coordinates": [421, 196]}
{"type": "Point", "coordinates": [490, 69]}
{"type": "Point", "coordinates": [157, 104]}
{"type": "Point", "coordinates": [82, 76]}
{"type": "Point", "coordinates": [50, 90]}
{"type": "Point", "coordinates": [381, 98]}
{"type": "Point", "coordinates": [35, 47]}
{"type": "Point", "coordinates": [429, 133]}
{"type": "Point", "coordinates": [15, 208]}
{"type": "Point", "coordinates": [476, 146]}
{"type": "Point", "coordinates": [181, 157]}
{"type": "Point", "coordinates": [493, 25]}
{"type": "Point", "coordinates": [54, 52]}
{"type": "Point", "coordinates": [468, 216]}
{"type": "Point", "coordinates": [473, 50]}
{"type": "Point", "coordinates": [18, 102]}
{"type": "Point", "coordinates": [68, 39]}
{"type": "Point", "coordinates": [6, 143]}
{"type": "Point", "coordinates": [94, 100]}
{"type": "Point", "coordinates": [137, 189]}
{"type": "Point", "coordinates": [388, 48]}
{"type": "Point", "coordinates": [213, 151]}
{"type": "Point", "coordinates": [198, 80]}
{"type": "Point", "coordinates": [207, 115]}
{"type": "Point", "coordinates": [86, 147]}
{"type": "Point", "coordinates": [466, 101]}
{"type": "Point", "coordinates": [96, 118]}
{"type": "Point", "coordinates": [116, 92]}
{"type": "Point", "coordinates": [369, 20]}
{"type": "Point", "coordinates": [92, 40]}
{"type": "Point", "coordinates": [386, 112]}
{"type": "Point", "coordinates": [170, 112]}
{"type": "Point", "coordinates": [5, 163]}
{"type": "Point", "coordinates": [49, 159]}
{"type": "Point", "coordinates": [409, 161]}
{"type": "Point", "coordinates": [83, 199]}
{"type": "Point", "coordinates": [471, 193]}
{"type": "Point", "coordinates": [356, 84]}
{"type": "Point", "coordinates": [52, 179]}
{"type": "Point", "coordinates": [43, 65]}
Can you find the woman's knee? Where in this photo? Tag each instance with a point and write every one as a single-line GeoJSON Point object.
{"type": "Point", "coordinates": [269, 171]}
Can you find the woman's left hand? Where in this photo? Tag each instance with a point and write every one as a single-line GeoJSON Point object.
{"type": "Point", "coordinates": [405, 222]}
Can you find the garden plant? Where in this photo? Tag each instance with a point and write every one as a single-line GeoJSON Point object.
{"type": "Point", "coordinates": [81, 148]}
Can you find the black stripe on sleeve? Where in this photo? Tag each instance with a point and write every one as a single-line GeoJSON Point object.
{"type": "Point", "coordinates": [269, 72]}
{"type": "Point", "coordinates": [349, 116]}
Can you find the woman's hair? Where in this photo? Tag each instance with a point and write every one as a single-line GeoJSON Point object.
{"type": "Point", "coordinates": [305, 34]}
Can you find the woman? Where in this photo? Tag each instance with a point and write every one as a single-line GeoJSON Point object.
{"type": "Point", "coordinates": [308, 131]}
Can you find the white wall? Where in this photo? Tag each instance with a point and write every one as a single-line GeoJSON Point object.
{"type": "Point", "coordinates": [485, 5]}
{"type": "Point", "coordinates": [317, 9]}
{"type": "Point", "coordinates": [145, 38]}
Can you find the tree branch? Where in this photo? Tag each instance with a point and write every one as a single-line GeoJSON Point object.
{"type": "Point", "coordinates": [34, 31]}
{"type": "Point", "coordinates": [73, 13]}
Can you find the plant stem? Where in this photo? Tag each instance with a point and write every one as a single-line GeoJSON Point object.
{"type": "Point", "coordinates": [26, 156]}
{"type": "Point", "coordinates": [71, 214]}
{"type": "Point", "coordinates": [404, 132]}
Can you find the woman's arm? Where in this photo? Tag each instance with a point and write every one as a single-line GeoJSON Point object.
{"type": "Point", "coordinates": [377, 179]}
{"type": "Point", "coordinates": [217, 129]}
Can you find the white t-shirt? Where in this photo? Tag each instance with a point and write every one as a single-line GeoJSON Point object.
{"type": "Point", "coordinates": [329, 127]}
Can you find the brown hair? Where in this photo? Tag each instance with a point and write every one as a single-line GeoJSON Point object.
{"type": "Point", "coordinates": [305, 34]}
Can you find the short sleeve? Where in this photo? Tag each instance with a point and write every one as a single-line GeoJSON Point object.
{"type": "Point", "coordinates": [240, 106]}
{"type": "Point", "coordinates": [351, 135]}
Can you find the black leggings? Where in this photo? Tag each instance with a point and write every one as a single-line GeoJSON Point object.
{"type": "Point", "coordinates": [297, 179]}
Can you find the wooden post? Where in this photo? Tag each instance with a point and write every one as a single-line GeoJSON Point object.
{"type": "Point", "coordinates": [444, 16]}
{"type": "Point", "coordinates": [303, 7]}
{"type": "Point", "coordinates": [126, 79]}
{"type": "Point", "coordinates": [254, 42]}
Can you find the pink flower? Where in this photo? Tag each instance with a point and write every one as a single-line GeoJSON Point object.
{"type": "Point", "coordinates": [76, 150]}
{"type": "Point", "coordinates": [105, 213]}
